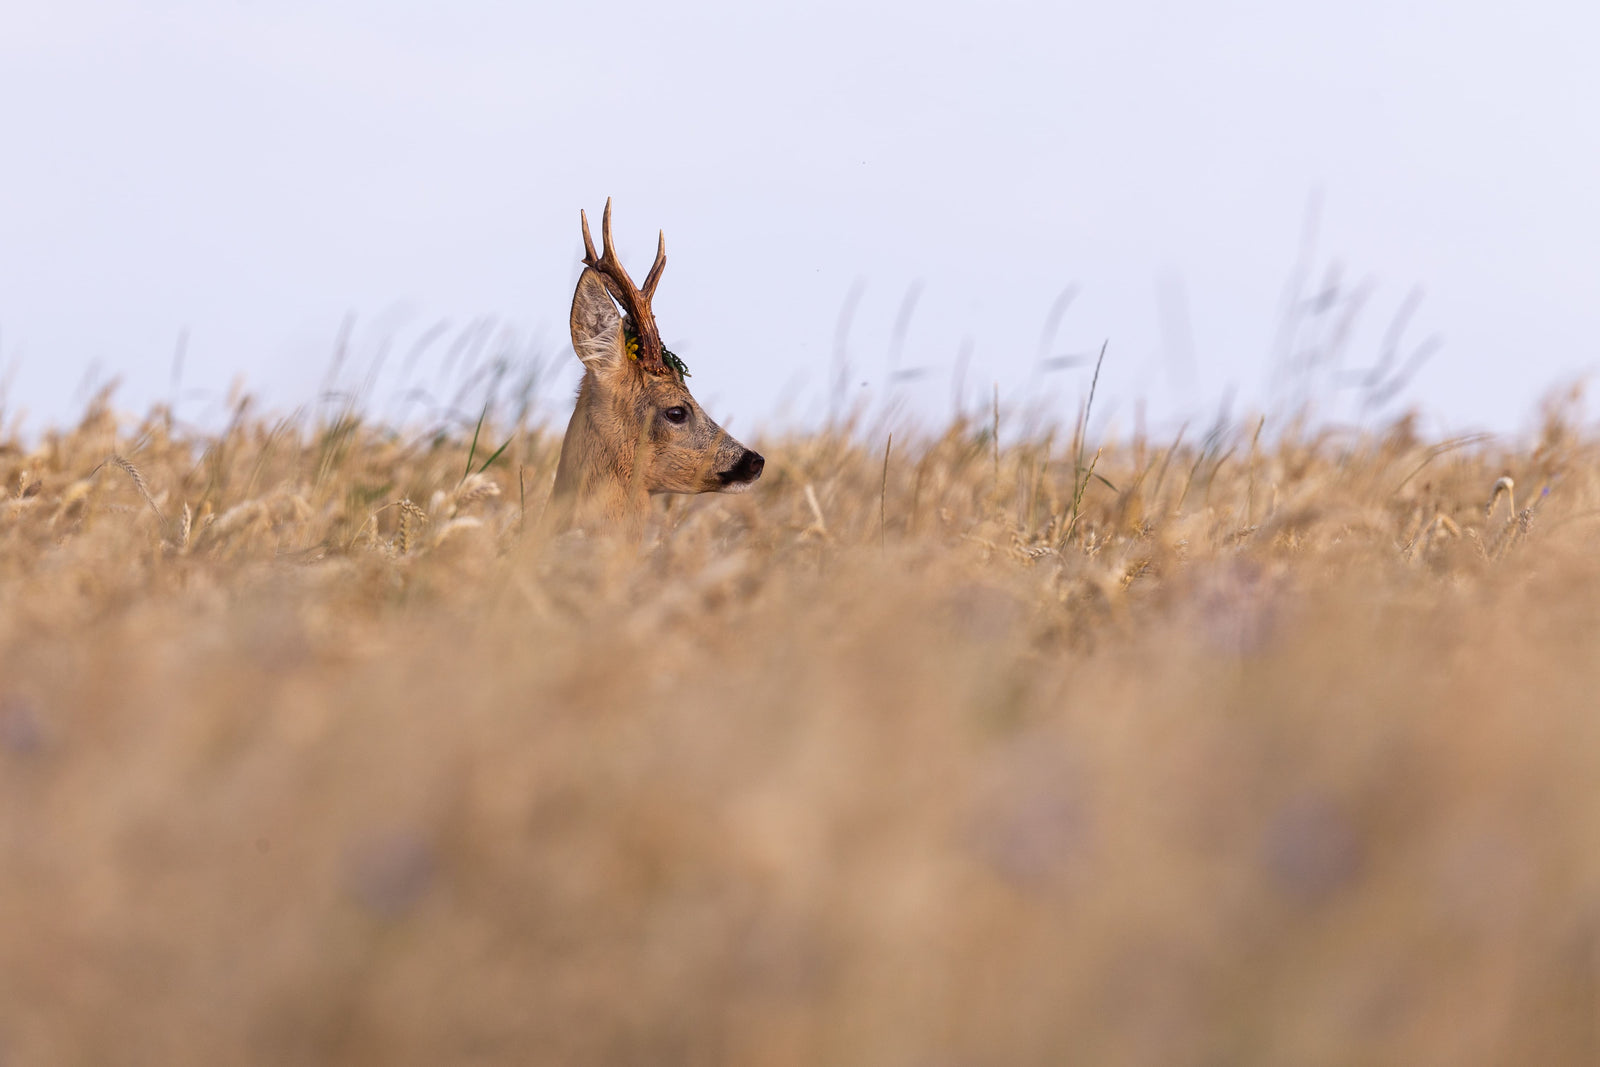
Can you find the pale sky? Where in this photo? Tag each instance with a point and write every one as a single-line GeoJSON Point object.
{"type": "Point", "coordinates": [252, 173]}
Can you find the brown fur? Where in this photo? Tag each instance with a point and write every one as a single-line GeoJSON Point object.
{"type": "Point", "coordinates": [620, 446]}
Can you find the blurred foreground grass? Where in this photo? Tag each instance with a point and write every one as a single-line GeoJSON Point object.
{"type": "Point", "coordinates": [1280, 750]}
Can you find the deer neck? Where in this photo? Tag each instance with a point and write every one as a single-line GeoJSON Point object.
{"type": "Point", "coordinates": [595, 478]}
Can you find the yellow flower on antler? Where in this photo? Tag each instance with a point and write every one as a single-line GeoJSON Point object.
{"type": "Point", "coordinates": [667, 357]}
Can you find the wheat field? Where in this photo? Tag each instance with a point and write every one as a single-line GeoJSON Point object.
{"type": "Point", "coordinates": [1270, 745]}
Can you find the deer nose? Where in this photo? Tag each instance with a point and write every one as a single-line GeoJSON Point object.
{"type": "Point", "coordinates": [748, 469]}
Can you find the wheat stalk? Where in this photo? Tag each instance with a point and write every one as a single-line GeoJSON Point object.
{"type": "Point", "coordinates": [473, 488]}
{"type": "Point", "coordinates": [408, 511]}
{"type": "Point", "coordinates": [138, 482]}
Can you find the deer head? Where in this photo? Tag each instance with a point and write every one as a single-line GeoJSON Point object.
{"type": "Point", "coordinates": [636, 429]}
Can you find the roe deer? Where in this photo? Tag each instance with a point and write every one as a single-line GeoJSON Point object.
{"type": "Point", "coordinates": [636, 430]}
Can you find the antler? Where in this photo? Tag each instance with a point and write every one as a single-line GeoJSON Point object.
{"type": "Point", "coordinates": [635, 301]}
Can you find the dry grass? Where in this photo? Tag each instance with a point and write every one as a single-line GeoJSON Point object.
{"type": "Point", "coordinates": [1281, 751]}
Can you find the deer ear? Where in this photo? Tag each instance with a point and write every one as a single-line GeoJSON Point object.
{"type": "Point", "coordinates": [596, 325]}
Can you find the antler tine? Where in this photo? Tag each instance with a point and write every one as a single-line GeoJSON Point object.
{"type": "Point", "coordinates": [608, 247]}
{"type": "Point", "coordinates": [588, 242]}
{"type": "Point", "coordinates": [657, 267]}
{"type": "Point", "coordinates": [607, 263]}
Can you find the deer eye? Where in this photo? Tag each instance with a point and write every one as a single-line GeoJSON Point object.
{"type": "Point", "coordinates": [676, 414]}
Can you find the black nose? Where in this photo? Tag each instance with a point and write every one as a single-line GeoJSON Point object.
{"type": "Point", "coordinates": [748, 469]}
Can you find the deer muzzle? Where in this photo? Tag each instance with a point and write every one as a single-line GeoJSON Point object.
{"type": "Point", "coordinates": [746, 469]}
